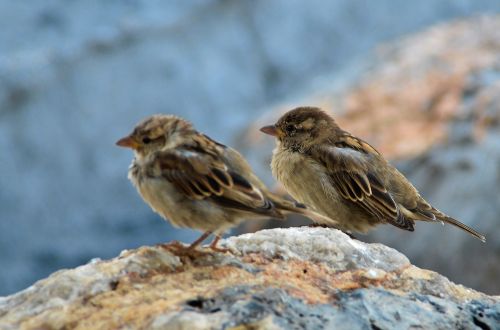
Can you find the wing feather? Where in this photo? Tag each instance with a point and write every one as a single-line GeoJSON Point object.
{"type": "Point", "coordinates": [349, 172]}
{"type": "Point", "coordinates": [199, 172]}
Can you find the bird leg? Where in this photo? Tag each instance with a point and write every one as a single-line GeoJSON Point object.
{"type": "Point", "coordinates": [213, 245]}
{"type": "Point", "coordinates": [199, 240]}
{"type": "Point", "coordinates": [180, 249]}
{"type": "Point", "coordinates": [174, 245]}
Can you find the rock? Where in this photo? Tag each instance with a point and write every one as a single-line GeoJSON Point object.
{"type": "Point", "coordinates": [430, 103]}
{"type": "Point", "coordinates": [296, 278]}
{"type": "Point", "coordinates": [76, 75]}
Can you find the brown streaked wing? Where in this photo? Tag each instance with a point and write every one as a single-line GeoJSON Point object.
{"type": "Point", "coordinates": [350, 175]}
{"type": "Point", "coordinates": [199, 175]}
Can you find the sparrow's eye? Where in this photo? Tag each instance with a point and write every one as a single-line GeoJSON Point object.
{"type": "Point", "coordinates": [290, 128]}
{"type": "Point", "coordinates": [146, 140]}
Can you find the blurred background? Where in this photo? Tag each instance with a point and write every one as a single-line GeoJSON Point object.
{"type": "Point", "coordinates": [420, 80]}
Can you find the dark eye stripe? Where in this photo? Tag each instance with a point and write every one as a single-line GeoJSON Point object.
{"type": "Point", "coordinates": [148, 140]}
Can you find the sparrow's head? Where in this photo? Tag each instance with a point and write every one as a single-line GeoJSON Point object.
{"type": "Point", "coordinates": [155, 133]}
{"type": "Point", "coordinates": [302, 127]}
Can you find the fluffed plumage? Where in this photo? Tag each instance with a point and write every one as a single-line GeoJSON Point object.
{"type": "Point", "coordinates": [196, 182]}
{"type": "Point", "coordinates": [344, 177]}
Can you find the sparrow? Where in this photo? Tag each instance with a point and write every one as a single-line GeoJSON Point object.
{"type": "Point", "coordinates": [343, 177]}
{"type": "Point", "coordinates": [196, 182]}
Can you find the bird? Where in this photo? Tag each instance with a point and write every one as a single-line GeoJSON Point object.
{"type": "Point", "coordinates": [345, 178]}
{"type": "Point", "coordinates": [196, 182]}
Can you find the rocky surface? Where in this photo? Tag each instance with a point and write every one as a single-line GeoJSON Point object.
{"type": "Point", "coordinates": [76, 75]}
{"type": "Point", "coordinates": [297, 278]}
{"type": "Point", "coordinates": [431, 104]}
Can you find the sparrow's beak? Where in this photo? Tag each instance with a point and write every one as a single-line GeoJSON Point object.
{"type": "Point", "coordinates": [128, 142]}
{"type": "Point", "coordinates": [271, 130]}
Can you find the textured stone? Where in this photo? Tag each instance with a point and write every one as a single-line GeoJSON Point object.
{"type": "Point", "coordinates": [296, 278]}
{"type": "Point", "coordinates": [330, 248]}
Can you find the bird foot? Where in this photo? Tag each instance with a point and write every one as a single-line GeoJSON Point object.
{"type": "Point", "coordinates": [219, 249]}
{"type": "Point", "coordinates": [182, 250]}
{"type": "Point", "coordinates": [213, 246]}
{"type": "Point", "coordinates": [174, 245]}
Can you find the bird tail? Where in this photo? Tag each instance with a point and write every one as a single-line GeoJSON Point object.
{"type": "Point", "coordinates": [426, 212]}
{"type": "Point", "coordinates": [456, 223]}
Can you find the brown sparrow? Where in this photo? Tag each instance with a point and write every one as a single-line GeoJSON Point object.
{"type": "Point", "coordinates": [345, 178]}
{"type": "Point", "coordinates": [196, 182]}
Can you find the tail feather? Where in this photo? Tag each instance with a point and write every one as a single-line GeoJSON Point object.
{"type": "Point", "coordinates": [433, 214]}
{"type": "Point", "coordinates": [462, 226]}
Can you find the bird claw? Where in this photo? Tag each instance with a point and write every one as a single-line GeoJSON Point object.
{"type": "Point", "coordinates": [219, 249]}
{"type": "Point", "coordinates": [174, 245]}
{"type": "Point", "coordinates": [181, 250]}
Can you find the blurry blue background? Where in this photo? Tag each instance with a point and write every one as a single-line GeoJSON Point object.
{"type": "Point", "coordinates": [77, 75]}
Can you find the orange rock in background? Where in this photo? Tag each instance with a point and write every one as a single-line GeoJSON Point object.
{"type": "Point", "coordinates": [418, 86]}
